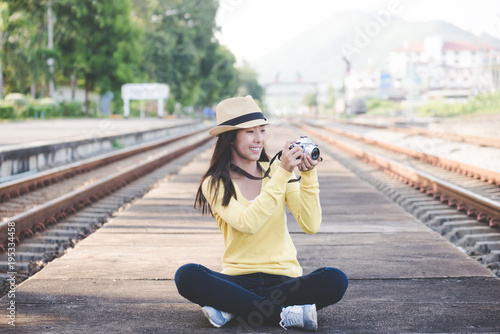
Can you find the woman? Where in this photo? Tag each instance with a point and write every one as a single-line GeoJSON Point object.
{"type": "Point", "coordinates": [261, 281]}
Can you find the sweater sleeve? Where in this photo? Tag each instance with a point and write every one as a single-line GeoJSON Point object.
{"type": "Point", "coordinates": [249, 219]}
{"type": "Point", "coordinates": [303, 201]}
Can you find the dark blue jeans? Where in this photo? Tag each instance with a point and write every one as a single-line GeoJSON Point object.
{"type": "Point", "coordinates": [258, 298]}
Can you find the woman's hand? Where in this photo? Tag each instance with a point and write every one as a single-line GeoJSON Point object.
{"type": "Point", "coordinates": [307, 163]}
{"type": "Point", "coordinates": [291, 157]}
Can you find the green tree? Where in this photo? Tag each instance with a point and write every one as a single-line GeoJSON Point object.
{"type": "Point", "coordinates": [12, 33]}
{"type": "Point", "coordinates": [310, 100]}
{"type": "Point", "coordinates": [4, 18]}
{"type": "Point", "coordinates": [177, 33]}
{"type": "Point", "coordinates": [25, 51]}
{"type": "Point", "coordinates": [248, 82]}
{"type": "Point", "coordinates": [330, 98]}
{"type": "Point", "coordinates": [181, 51]}
{"type": "Point", "coordinates": [103, 44]}
{"type": "Point", "coordinates": [219, 77]}
{"type": "Point", "coordinates": [99, 43]}
{"type": "Point", "coordinates": [36, 63]}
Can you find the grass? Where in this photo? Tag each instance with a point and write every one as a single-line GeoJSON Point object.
{"type": "Point", "coordinates": [482, 104]}
{"type": "Point", "coordinates": [479, 105]}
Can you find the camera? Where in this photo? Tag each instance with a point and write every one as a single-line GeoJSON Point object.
{"type": "Point", "coordinates": [308, 147]}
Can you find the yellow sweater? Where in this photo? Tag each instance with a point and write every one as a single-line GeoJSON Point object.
{"type": "Point", "coordinates": [255, 233]}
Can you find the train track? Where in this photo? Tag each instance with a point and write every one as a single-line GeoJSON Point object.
{"type": "Point", "coordinates": [45, 213]}
{"type": "Point", "coordinates": [442, 184]}
{"type": "Point", "coordinates": [476, 140]}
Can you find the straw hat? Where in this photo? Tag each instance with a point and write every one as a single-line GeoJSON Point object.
{"type": "Point", "coordinates": [237, 113]}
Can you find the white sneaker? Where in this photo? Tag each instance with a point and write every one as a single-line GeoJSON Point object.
{"type": "Point", "coordinates": [303, 316]}
{"type": "Point", "coordinates": [216, 317]}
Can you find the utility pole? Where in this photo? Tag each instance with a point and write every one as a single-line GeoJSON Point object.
{"type": "Point", "coordinates": [4, 8]}
{"type": "Point", "coordinates": [50, 61]}
{"type": "Point", "coordinates": [1, 78]}
{"type": "Point", "coordinates": [347, 102]}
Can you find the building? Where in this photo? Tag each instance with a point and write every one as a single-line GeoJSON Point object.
{"type": "Point", "coordinates": [434, 68]}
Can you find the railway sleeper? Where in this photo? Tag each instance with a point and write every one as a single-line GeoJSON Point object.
{"type": "Point", "coordinates": [399, 195]}
{"type": "Point", "coordinates": [428, 212]}
{"type": "Point", "coordinates": [66, 233]}
{"type": "Point", "coordinates": [84, 217]}
{"type": "Point", "coordinates": [23, 256]}
{"type": "Point", "coordinates": [76, 227]}
{"type": "Point", "coordinates": [90, 213]}
{"type": "Point", "coordinates": [445, 211]}
{"type": "Point", "coordinates": [439, 220]}
{"type": "Point", "coordinates": [471, 241]}
{"type": "Point", "coordinates": [49, 239]}
{"type": "Point", "coordinates": [21, 266]}
{"type": "Point", "coordinates": [492, 260]}
{"type": "Point", "coordinates": [449, 226]}
{"type": "Point", "coordinates": [407, 196]}
{"type": "Point", "coordinates": [118, 199]}
{"type": "Point", "coordinates": [485, 247]}
{"type": "Point", "coordinates": [37, 247]}
{"type": "Point", "coordinates": [458, 233]}
{"type": "Point", "coordinates": [106, 206]}
{"type": "Point", "coordinates": [407, 201]}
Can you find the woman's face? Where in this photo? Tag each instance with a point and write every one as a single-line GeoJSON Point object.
{"type": "Point", "coordinates": [249, 143]}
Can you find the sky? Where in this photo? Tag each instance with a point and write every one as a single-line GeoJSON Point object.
{"type": "Point", "coordinates": [253, 28]}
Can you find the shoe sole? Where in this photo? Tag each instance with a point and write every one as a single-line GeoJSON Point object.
{"type": "Point", "coordinates": [314, 317]}
{"type": "Point", "coordinates": [207, 314]}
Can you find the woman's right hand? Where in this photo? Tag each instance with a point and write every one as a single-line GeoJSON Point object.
{"type": "Point", "coordinates": [291, 157]}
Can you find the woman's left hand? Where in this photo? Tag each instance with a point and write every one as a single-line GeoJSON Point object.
{"type": "Point", "coordinates": [307, 163]}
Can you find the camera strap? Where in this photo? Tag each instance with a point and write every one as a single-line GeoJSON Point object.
{"type": "Point", "coordinates": [240, 171]}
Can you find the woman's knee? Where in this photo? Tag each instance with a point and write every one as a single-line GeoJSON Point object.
{"type": "Point", "coordinates": [184, 276]}
{"type": "Point", "coordinates": [337, 283]}
{"type": "Point", "coordinates": [339, 276]}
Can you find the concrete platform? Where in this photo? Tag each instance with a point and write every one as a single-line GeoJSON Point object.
{"type": "Point", "coordinates": [33, 146]}
{"type": "Point", "coordinates": [404, 278]}
{"type": "Point", "coordinates": [26, 132]}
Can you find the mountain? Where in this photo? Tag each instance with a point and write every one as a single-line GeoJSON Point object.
{"type": "Point", "coordinates": [365, 38]}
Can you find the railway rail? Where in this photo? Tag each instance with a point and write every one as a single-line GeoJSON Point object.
{"type": "Point", "coordinates": [467, 189]}
{"type": "Point", "coordinates": [80, 193]}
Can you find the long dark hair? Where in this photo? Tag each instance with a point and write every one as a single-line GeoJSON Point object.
{"type": "Point", "coordinates": [219, 171]}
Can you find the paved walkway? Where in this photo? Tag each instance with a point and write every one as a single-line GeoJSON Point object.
{"type": "Point", "coordinates": [404, 278]}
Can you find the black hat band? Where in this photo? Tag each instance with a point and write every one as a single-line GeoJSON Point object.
{"type": "Point", "coordinates": [244, 118]}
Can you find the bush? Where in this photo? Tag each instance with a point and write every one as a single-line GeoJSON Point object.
{"type": "Point", "coordinates": [43, 108]}
{"type": "Point", "coordinates": [32, 111]}
{"type": "Point", "coordinates": [72, 109]}
{"type": "Point", "coordinates": [48, 103]}
{"type": "Point", "coordinates": [6, 110]}
{"type": "Point", "coordinates": [18, 101]}
{"type": "Point", "coordinates": [48, 108]}
{"type": "Point", "coordinates": [378, 107]}
{"type": "Point", "coordinates": [17, 98]}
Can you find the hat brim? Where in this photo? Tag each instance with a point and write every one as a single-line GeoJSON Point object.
{"type": "Point", "coordinates": [217, 130]}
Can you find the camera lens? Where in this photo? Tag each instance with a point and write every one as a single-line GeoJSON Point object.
{"type": "Point", "coordinates": [315, 153]}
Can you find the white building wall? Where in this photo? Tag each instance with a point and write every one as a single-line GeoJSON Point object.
{"type": "Point", "coordinates": [427, 69]}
